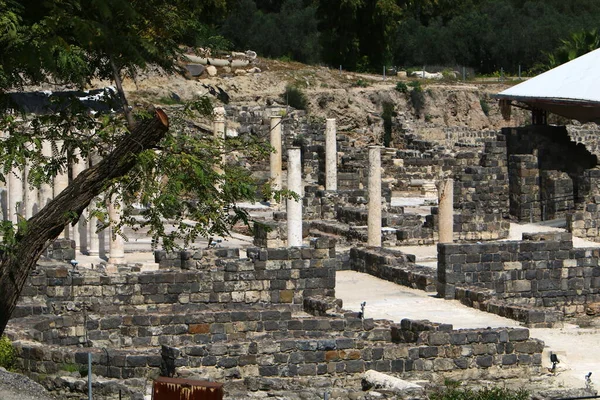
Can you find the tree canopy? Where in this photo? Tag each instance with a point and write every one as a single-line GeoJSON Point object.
{"type": "Point", "coordinates": [158, 158]}
{"type": "Point", "coordinates": [485, 35]}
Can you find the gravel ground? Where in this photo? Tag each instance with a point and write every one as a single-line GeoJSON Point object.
{"type": "Point", "coordinates": [19, 387]}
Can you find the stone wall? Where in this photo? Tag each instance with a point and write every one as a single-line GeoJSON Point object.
{"type": "Point", "coordinates": [393, 266]}
{"type": "Point", "coordinates": [543, 270]}
{"type": "Point", "coordinates": [309, 349]}
{"type": "Point", "coordinates": [276, 276]}
{"type": "Point", "coordinates": [548, 174]}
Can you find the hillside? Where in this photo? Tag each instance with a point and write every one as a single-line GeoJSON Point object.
{"type": "Point", "coordinates": [356, 100]}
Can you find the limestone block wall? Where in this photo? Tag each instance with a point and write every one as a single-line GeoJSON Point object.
{"type": "Point", "coordinates": [544, 270]}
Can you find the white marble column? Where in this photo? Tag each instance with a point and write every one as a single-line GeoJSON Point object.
{"type": "Point", "coordinates": [294, 207]}
{"type": "Point", "coordinates": [93, 248]}
{"type": "Point", "coordinates": [45, 190]}
{"type": "Point", "coordinates": [374, 216]}
{"type": "Point", "coordinates": [330, 155]}
{"type": "Point", "coordinates": [61, 181]}
{"type": "Point", "coordinates": [117, 244]}
{"type": "Point", "coordinates": [15, 194]}
{"type": "Point", "coordinates": [219, 133]}
{"type": "Point", "coordinates": [30, 196]}
{"type": "Point", "coordinates": [79, 231]}
{"type": "Point", "coordinates": [275, 156]}
{"type": "Point", "coordinates": [446, 210]}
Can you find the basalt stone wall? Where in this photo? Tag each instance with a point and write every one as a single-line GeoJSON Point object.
{"type": "Point", "coordinates": [273, 276]}
{"type": "Point", "coordinates": [411, 348]}
{"type": "Point", "coordinates": [481, 197]}
{"type": "Point", "coordinates": [544, 270]}
{"type": "Point", "coordinates": [524, 178]}
{"type": "Point", "coordinates": [551, 149]}
{"type": "Point", "coordinates": [584, 220]}
{"type": "Point", "coordinates": [586, 134]}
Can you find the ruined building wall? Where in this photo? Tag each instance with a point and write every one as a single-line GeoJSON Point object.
{"type": "Point", "coordinates": [549, 182]}
{"type": "Point", "coordinates": [543, 271]}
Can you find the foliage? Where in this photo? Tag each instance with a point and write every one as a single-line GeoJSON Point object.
{"type": "Point", "coordinates": [485, 107]}
{"type": "Point", "coordinates": [284, 30]}
{"type": "Point", "coordinates": [453, 391]}
{"type": "Point", "coordinates": [402, 87]}
{"type": "Point", "coordinates": [295, 97]}
{"type": "Point", "coordinates": [360, 83]}
{"type": "Point", "coordinates": [7, 353]}
{"type": "Point", "coordinates": [578, 44]}
{"type": "Point", "coordinates": [387, 115]}
{"type": "Point", "coordinates": [417, 97]}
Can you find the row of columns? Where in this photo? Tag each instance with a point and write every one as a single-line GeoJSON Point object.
{"type": "Point", "coordinates": [294, 207]}
{"type": "Point", "coordinates": [23, 200]}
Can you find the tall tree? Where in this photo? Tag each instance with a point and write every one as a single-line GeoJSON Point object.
{"type": "Point", "coordinates": [69, 42]}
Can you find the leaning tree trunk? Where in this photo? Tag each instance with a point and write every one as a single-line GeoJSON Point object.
{"type": "Point", "coordinates": [50, 221]}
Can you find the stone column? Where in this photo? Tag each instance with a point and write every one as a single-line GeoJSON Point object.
{"type": "Point", "coordinates": [117, 244]}
{"type": "Point", "coordinates": [79, 231]}
{"type": "Point", "coordinates": [61, 181]}
{"type": "Point", "coordinates": [15, 194]}
{"type": "Point", "coordinates": [275, 157]}
{"type": "Point", "coordinates": [446, 210]}
{"type": "Point", "coordinates": [374, 217]}
{"type": "Point", "coordinates": [219, 132]}
{"type": "Point", "coordinates": [45, 190]}
{"type": "Point", "coordinates": [294, 207]}
{"type": "Point", "coordinates": [93, 248]}
{"type": "Point", "coordinates": [30, 197]}
{"type": "Point", "coordinates": [330, 155]}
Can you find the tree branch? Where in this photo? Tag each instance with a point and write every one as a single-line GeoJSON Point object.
{"type": "Point", "coordinates": [49, 222]}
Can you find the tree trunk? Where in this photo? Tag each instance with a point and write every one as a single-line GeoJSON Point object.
{"type": "Point", "coordinates": [50, 221]}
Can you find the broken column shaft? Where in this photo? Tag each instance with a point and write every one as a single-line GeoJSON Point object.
{"type": "Point", "coordinates": [294, 207]}
{"type": "Point", "coordinates": [374, 216]}
{"type": "Point", "coordinates": [446, 210]}
{"type": "Point", "coordinates": [330, 155]}
{"type": "Point", "coordinates": [275, 157]}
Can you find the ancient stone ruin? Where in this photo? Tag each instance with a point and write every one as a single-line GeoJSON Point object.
{"type": "Point", "coordinates": [264, 318]}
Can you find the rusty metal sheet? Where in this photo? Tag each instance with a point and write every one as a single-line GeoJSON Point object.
{"type": "Point", "coordinates": [186, 389]}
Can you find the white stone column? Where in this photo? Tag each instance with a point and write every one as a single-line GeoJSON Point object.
{"type": "Point", "coordinates": [93, 248]}
{"type": "Point", "coordinates": [117, 244]}
{"type": "Point", "coordinates": [15, 194]}
{"type": "Point", "coordinates": [30, 197]}
{"type": "Point", "coordinates": [61, 181]}
{"type": "Point", "coordinates": [294, 207]}
{"type": "Point", "coordinates": [45, 190]}
{"type": "Point", "coordinates": [374, 216]}
{"type": "Point", "coordinates": [446, 210]}
{"type": "Point", "coordinates": [275, 156]}
{"type": "Point", "coordinates": [330, 155]}
{"type": "Point", "coordinates": [79, 231]}
{"type": "Point", "coordinates": [219, 132]}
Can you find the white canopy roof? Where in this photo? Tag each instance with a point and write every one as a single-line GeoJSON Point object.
{"type": "Point", "coordinates": [571, 89]}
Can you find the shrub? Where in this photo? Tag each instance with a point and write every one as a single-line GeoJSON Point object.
{"type": "Point", "coordinates": [485, 107]}
{"type": "Point", "coordinates": [294, 97]}
{"type": "Point", "coordinates": [417, 97]}
{"type": "Point", "coordinates": [402, 87]}
{"type": "Point", "coordinates": [387, 115]}
{"type": "Point", "coordinates": [7, 353]}
{"type": "Point", "coordinates": [360, 83]}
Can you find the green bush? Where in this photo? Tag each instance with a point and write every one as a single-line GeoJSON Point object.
{"type": "Point", "coordinates": [417, 97]}
{"type": "Point", "coordinates": [295, 97]}
{"type": "Point", "coordinates": [402, 87]}
{"type": "Point", "coordinates": [387, 116]}
{"type": "Point", "coordinates": [453, 391]}
{"type": "Point", "coordinates": [7, 353]}
{"type": "Point", "coordinates": [360, 83]}
{"type": "Point", "coordinates": [485, 107]}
